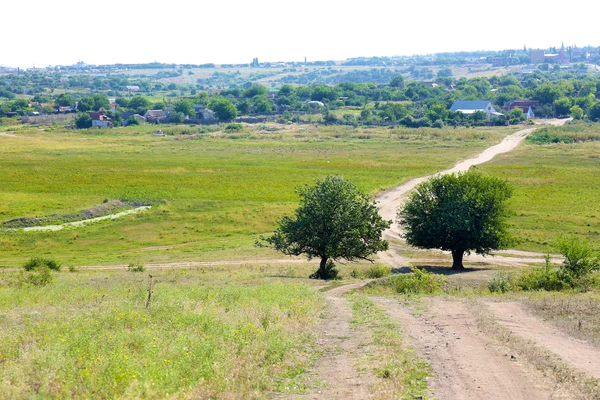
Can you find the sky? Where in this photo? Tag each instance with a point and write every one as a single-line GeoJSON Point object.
{"type": "Point", "coordinates": [41, 32]}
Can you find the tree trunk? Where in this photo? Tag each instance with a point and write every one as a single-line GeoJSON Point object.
{"type": "Point", "coordinates": [457, 260]}
{"type": "Point", "coordinates": [323, 268]}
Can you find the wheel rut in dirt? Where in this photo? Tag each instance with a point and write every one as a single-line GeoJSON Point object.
{"type": "Point", "coordinates": [466, 364]}
{"type": "Point", "coordinates": [341, 346]}
{"type": "Point", "coordinates": [574, 352]}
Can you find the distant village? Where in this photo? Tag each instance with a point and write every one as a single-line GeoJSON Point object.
{"type": "Point", "coordinates": [402, 94]}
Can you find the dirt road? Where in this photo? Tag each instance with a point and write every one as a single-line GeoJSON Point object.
{"type": "Point", "coordinates": [335, 373]}
{"type": "Point", "coordinates": [466, 364]}
{"type": "Point", "coordinates": [576, 353]}
{"type": "Point", "coordinates": [390, 200]}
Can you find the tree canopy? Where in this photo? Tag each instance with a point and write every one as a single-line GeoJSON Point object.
{"type": "Point", "coordinates": [335, 220]}
{"type": "Point", "coordinates": [458, 212]}
{"type": "Point", "coordinates": [223, 108]}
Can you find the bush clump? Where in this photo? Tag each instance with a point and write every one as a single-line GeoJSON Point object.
{"type": "Point", "coordinates": [37, 262]}
{"type": "Point", "coordinates": [136, 267]}
{"type": "Point", "coordinates": [40, 276]}
{"type": "Point", "coordinates": [576, 272]}
{"type": "Point", "coordinates": [234, 128]}
{"type": "Point", "coordinates": [378, 271]}
{"type": "Point", "coordinates": [500, 282]}
{"type": "Point", "coordinates": [418, 282]}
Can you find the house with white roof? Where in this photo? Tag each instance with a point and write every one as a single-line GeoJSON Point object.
{"type": "Point", "coordinates": [469, 107]}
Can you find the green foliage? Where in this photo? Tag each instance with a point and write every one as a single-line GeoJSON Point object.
{"type": "Point", "coordinates": [234, 128]}
{"type": "Point", "coordinates": [136, 267]}
{"type": "Point", "coordinates": [544, 136]}
{"type": "Point", "coordinates": [176, 117]}
{"type": "Point", "coordinates": [576, 112]}
{"type": "Point", "coordinates": [133, 121]}
{"type": "Point", "coordinates": [594, 111]}
{"type": "Point", "coordinates": [83, 121]}
{"type": "Point", "coordinates": [39, 262]}
{"type": "Point", "coordinates": [500, 282]}
{"type": "Point", "coordinates": [377, 271]}
{"type": "Point", "coordinates": [574, 273]}
{"type": "Point", "coordinates": [186, 107]}
{"type": "Point", "coordinates": [562, 107]}
{"type": "Point", "coordinates": [571, 133]}
{"type": "Point", "coordinates": [397, 81]}
{"type": "Point", "coordinates": [418, 282]}
{"type": "Point", "coordinates": [545, 278]}
{"type": "Point", "coordinates": [458, 212]}
{"type": "Point", "coordinates": [580, 258]}
{"type": "Point", "coordinates": [39, 276]}
{"type": "Point", "coordinates": [223, 108]}
{"type": "Point", "coordinates": [334, 220]}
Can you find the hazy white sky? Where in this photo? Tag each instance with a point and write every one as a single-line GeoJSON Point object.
{"type": "Point", "coordinates": [44, 32]}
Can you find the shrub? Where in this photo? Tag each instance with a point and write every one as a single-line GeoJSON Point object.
{"type": "Point", "coordinates": [419, 282]}
{"type": "Point", "coordinates": [580, 259]}
{"type": "Point", "coordinates": [234, 128]}
{"type": "Point", "coordinates": [40, 276]}
{"type": "Point", "coordinates": [378, 271]}
{"type": "Point", "coordinates": [136, 267]}
{"type": "Point", "coordinates": [500, 282]}
{"type": "Point", "coordinates": [37, 262]}
{"type": "Point", "coordinates": [541, 279]}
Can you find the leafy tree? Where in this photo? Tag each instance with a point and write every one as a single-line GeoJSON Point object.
{"type": "Point", "coordinates": [334, 220]}
{"type": "Point", "coordinates": [223, 108]}
{"type": "Point", "coordinates": [594, 112]}
{"type": "Point", "coordinates": [562, 107]}
{"type": "Point", "coordinates": [65, 100]}
{"type": "Point", "coordinates": [255, 90]}
{"type": "Point", "coordinates": [100, 101]}
{"type": "Point", "coordinates": [262, 104]}
{"type": "Point", "coordinates": [546, 94]}
{"type": "Point", "coordinates": [576, 112]}
{"type": "Point", "coordinates": [176, 117]}
{"type": "Point", "coordinates": [459, 213]}
{"type": "Point", "coordinates": [137, 102]}
{"type": "Point", "coordinates": [516, 115]}
{"type": "Point", "coordinates": [243, 107]}
{"type": "Point", "coordinates": [397, 81]}
{"type": "Point", "coordinates": [122, 102]}
{"type": "Point", "coordinates": [479, 118]}
{"type": "Point", "coordinates": [83, 121]}
{"type": "Point", "coordinates": [201, 99]}
{"type": "Point", "coordinates": [186, 107]}
{"type": "Point", "coordinates": [86, 104]}
{"type": "Point", "coordinates": [444, 72]}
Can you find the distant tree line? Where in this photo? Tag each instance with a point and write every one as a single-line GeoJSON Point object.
{"type": "Point", "coordinates": [400, 101]}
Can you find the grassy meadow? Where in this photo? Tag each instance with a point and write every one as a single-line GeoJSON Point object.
{"type": "Point", "coordinates": [556, 187]}
{"type": "Point", "coordinates": [223, 332]}
{"type": "Point", "coordinates": [212, 192]}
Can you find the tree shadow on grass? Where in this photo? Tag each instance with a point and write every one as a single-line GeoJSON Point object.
{"type": "Point", "coordinates": [448, 271]}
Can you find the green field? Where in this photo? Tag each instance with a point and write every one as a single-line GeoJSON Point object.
{"type": "Point", "coordinates": [213, 193]}
{"type": "Point", "coordinates": [204, 334]}
{"type": "Point", "coordinates": [557, 188]}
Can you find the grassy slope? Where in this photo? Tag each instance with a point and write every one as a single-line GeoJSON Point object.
{"type": "Point", "coordinates": [556, 191]}
{"type": "Point", "coordinates": [208, 333]}
{"type": "Point", "coordinates": [214, 194]}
